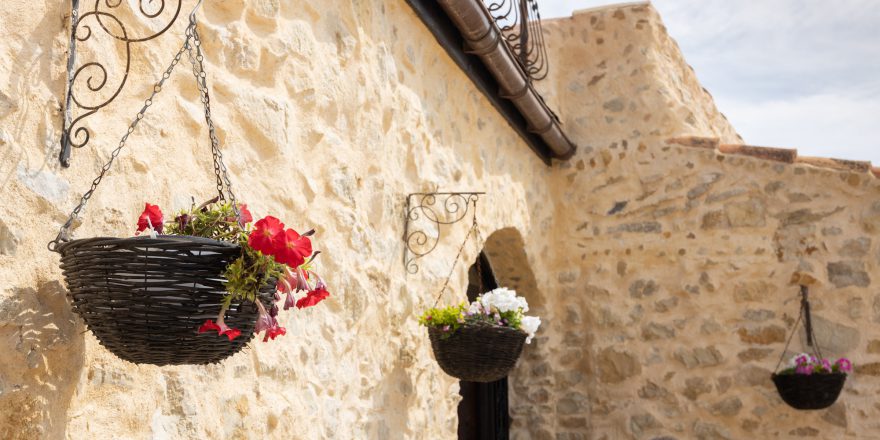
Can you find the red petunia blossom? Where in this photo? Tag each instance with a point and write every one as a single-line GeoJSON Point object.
{"type": "Point", "coordinates": [293, 249]}
{"type": "Point", "coordinates": [209, 326]}
{"type": "Point", "coordinates": [312, 298]}
{"type": "Point", "coordinates": [267, 235]}
{"type": "Point", "coordinates": [274, 331]}
{"type": "Point", "coordinates": [221, 328]}
{"type": "Point", "coordinates": [246, 216]}
{"type": "Point", "coordinates": [150, 218]}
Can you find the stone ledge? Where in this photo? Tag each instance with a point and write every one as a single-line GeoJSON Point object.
{"type": "Point", "coordinates": [838, 164]}
{"type": "Point", "coordinates": [612, 6]}
{"type": "Point", "coordinates": [785, 155]}
{"type": "Point", "coordinates": [710, 143]}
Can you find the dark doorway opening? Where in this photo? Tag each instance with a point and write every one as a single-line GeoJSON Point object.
{"type": "Point", "coordinates": [483, 411]}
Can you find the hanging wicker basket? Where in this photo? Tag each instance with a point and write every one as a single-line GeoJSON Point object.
{"type": "Point", "coordinates": [816, 391]}
{"type": "Point", "coordinates": [144, 298]}
{"type": "Point", "coordinates": [477, 353]}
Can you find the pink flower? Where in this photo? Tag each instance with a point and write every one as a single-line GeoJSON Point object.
{"type": "Point", "coordinates": [298, 282]}
{"type": "Point", "coordinates": [804, 369]}
{"type": "Point", "coordinates": [266, 322]}
{"type": "Point", "coordinates": [826, 365]}
{"type": "Point", "coordinates": [844, 364]}
{"type": "Point", "coordinates": [150, 218]}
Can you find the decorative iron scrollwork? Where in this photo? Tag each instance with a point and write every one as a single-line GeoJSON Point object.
{"type": "Point", "coordinates": [93, 76]}
{"type": "Point", "coordinates": [431, 210]}
{"type": "Point", "coordinates": [520, 23]}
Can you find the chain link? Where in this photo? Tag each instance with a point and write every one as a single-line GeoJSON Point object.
{"type": "Point", "coordinates": [192, 46]}
{"type": "Point", "coordinates": [475, 230]}
{"type": "Point", "coordinates": [197, 59]}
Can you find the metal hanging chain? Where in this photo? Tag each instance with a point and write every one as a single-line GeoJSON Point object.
{"type": "Point", "coordinates": [473, 230]}
{"type": "Point", "coordinates": [194, 51]}
{"type": "Point", "coordinates": [808, 328]}
{"type": "Point", "coordinates": [191, 45]}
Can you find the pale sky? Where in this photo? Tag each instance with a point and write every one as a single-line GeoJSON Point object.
{"type": "Point", "coordinates": [800, 74]}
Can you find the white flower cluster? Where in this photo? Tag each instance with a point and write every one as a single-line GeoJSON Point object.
{"type": "Point", "coordinates": [503, 300]}
{"type": "Point", "coordinates": [530, 326]}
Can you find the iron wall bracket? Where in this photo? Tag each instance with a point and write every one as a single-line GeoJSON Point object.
{"type": "Point", "coordinates": [437, 209]}
{"type": "Point", "coordinates": [93, 76]}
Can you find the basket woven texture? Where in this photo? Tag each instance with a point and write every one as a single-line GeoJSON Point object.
{"type": "Point", "coordinates": [145, 298]}
{"type": "Point", "coordinates": [477, 353]}
{"type": "Point", "coordinates": [816, 391]}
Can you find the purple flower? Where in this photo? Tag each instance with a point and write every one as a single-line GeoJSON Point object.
{"type": "Point", "coordinates": [844, 364]}
{"type": "Point", "coordinates": [802, 360]}
{"type": "Point", "coordinates": [826, 365]}
{"type": "Point", "coordinates": [265, 321]}
{"type": "Point", "coordinates": [289, 301]}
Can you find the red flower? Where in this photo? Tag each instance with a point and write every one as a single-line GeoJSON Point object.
{"type": "Point", "coordinates": [313, 297]}
{"type": "Point", "coordinates": [208, 326]}
{"type": "Point", "coordinates": [231, 333]}
{"type": "Point", "coordinates": [150, 218]}
{"type": "Point", "coordinates": [293, 249]}
{"type": "Point", "coordinates": [274, 331]}
{"type": "Point", "coordinates": [221, 327]}
{"type": "Point", "coordinates": [267, 235]}
{"type": "Point", "coordinates": [246, 216]}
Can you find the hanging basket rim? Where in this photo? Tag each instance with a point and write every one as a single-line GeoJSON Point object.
{"type": "Point", "coordinates": [837, 374]}
{"type": "Point", "coordinates": [160, 240]}
{"type": "Point", "coordinates": [479, 326]}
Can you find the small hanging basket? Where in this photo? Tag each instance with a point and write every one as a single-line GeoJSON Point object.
{"type": "Point", "coordinates": [144, 298]}
{"type": "Point", "coordinates": [477, 353]}
{"type": "Point", "coordinates": [816, 391]}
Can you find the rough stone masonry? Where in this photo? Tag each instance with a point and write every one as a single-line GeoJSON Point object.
{"type": "Point", "coordinates": [659, 257]}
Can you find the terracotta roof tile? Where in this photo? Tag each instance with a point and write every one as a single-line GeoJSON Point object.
{"type": "Point", "coordinates": [786, 155]}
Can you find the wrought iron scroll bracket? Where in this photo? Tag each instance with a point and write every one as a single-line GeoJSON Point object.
{"type": "Point", "coordinates": [433, 210]}
{"type": "Point", "coordinates": [93, 75]}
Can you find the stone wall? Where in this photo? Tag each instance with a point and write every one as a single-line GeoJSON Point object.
{"type": "Point", "coordinates": [660, 268]}
{"type": "Point", "coordinates": [670, 295]}
{"type": "Point", "coordinates": [330, 113]}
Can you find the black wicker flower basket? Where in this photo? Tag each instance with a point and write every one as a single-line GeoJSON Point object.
{"type": "Point", "coordinates": [814, 391]}
{"type": "Point", "coordinates": [144, 298]}
{"type": "Point", "coordinates": [477, 353]}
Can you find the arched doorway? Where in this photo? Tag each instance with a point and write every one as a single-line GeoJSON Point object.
{"type": "Point", "coordinates": [484, 412]}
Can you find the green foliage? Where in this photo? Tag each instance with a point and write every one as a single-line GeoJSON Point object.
{"type": "Point", "coordinates": [210, 220]}
{"type": "Point", "coordinates": [246, 274]}
{"type": "Point", "coordinates": [457, 315]}
{"type": "Point", "coordinates": [453, 316]}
